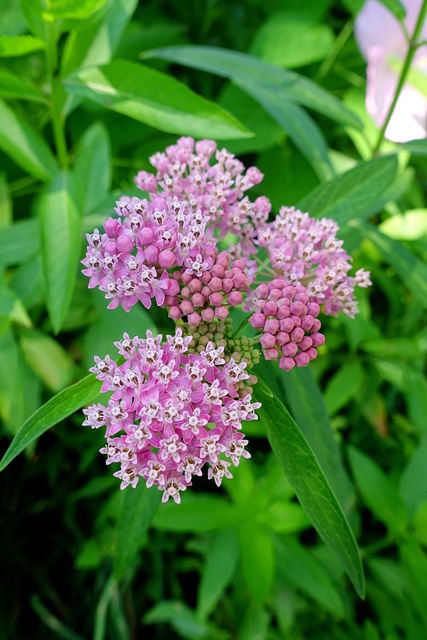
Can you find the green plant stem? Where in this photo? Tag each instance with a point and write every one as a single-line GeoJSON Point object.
{"type": "Point", "coordinates": [340, 41]}
{"type": "Point", "coordinates": [56, 98]}
{"type": "Point", "coordinates": [241, 326]}
{"type": "Point", "coordinates": [412, 47]}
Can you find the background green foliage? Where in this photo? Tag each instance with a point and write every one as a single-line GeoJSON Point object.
{"type": "Point", "coordinates": [88, 91]}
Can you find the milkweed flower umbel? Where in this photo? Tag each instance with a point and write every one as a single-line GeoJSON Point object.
{"type": "Point", "coordinates": [171, 412]}
{"type": "Point", "coordinates": [178, 405]}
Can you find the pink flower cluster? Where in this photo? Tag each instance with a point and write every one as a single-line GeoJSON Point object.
{"type": "Point", "coordinates": [171, 412]}
{"type": "Point", "coordinates": [307, 252]}
{"type": "Point", "coordinates": [207, 293]}
{"type": "Point", "coordinates": [289, 323]}
{"type": "Point", "coordinates": [185, 171]}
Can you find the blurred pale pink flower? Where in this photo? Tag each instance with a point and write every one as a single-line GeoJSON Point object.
{"type": "Point", "coordinates": [381, 41]}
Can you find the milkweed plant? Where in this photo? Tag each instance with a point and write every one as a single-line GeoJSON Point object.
{"type": "Point", "coordinates": [197, 246]}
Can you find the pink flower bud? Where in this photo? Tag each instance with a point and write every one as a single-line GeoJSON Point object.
{"type": "Point", "coordinates": [175, 313]}
{"type": "Point", "coordinates": [267, 341]}
{"type": "Point", "coordinates": [302, 359]}
{"type": "Point", "coordinates": [227, 285]}
{"type": "Point", "coordinates": [271, 354]}
{"type": "Point", "coordinates": [313, 309]}
{"type": "Point", "coordinates": [240, 281]}
{"type": "Point", "coordinates": [172, 288]}
{"type": "Point", "coordinates": [152, 254]}
{"type": "Point", "coordinates": [186, 307]}
{"type": "Point", "coordinates": [186, 293]}
{"type": "Point", "coordinates": [124, 244]}
{"type": "Point", "coordinates": [235, 298]}
{"type": "Point", "coordinates": [312, 353]}
{"type": "Point", "coordinates": [166, 259]}
{"type": "Point", "coordinates": [254, 175]}
{"type": "Point", "coordinates": [287, 325]}
{"type": "Point", "coordinates": [146, 181]}
{"type": "Point", "coordinates": [302, 297]}
{"type": "Point", "coordinates": [221, 313]}
{"type": "Point", "coordinates": [307, 322]}
{"type": "Point", "coordinates": [286, 363]}
{"type": "Point", "coordinates": [194, 319]}
{"type": "Point", "coordinates": [297, 334]}
{"type": "Point", "coordinates": [215, 284]}
{"type": "Point", "coordinates": [111, 247]}
{"type": "Point", "coordinates": [238, 264]}
{"type": "Point", "coordinates": [289, 349]}
{"type": "Point", "coordinates": [270, 308]}
{"type": "Point", "coordinates": [289, 291]}
{"type": "Point", "coordinates": [257, 320]}
{"type": "Point", "coordinates": [316, 325]}
{"type": "Point", "coordinates": [160, 203]}
{"type": "Point", "coordinates": [282, 338]}
{"type": "Point", "coordinates": [171, 301]}
{"type": "Point", "coordinates": [206, 277]}
{"type": "Point", "coordinates": [186, 277]}
{"type": "Point", "coordinates": [111, 227]}
{"type": "Point", "coordinates": [263, 204]}
{"type": "Point", "coordinates": [145, 236]}
{"type": "Point", "coordinates": [217, 271]}
{"type": "Point", "coordinates": [262, 291]}
{"type": "Point", "coordinates": [318, 339]}
{"type": "Point", "coordinates": [283, 312]}
{"type": "Point", "coordinates": [298, 309]}
{"type": "Point", "coordinates": [272, 326]}
{"type": "Point", "coordinates": [305, 343]}
{"type": "Point", "coordinates": [275, 295]}
{"type": "Point", "coordinates": [216, 299]}
{"type": "Point", "coordinates": [198, 299]}
{"type": "Point", "coordinates": [223, 259]}
{"type": "Point", "coordinates": [195, 285]}
{"type": "Point", "coordinates": [208, 314]}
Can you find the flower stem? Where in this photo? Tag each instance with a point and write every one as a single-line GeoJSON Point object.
{"type": "Point", "coordinates": [412, 47]}
{"type": "Point", "coordinates": [241, 326]}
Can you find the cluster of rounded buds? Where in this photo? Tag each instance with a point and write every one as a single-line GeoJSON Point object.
{"type": "Point", "coordinates": [213, 181]}
{"type": "Point", "coordinates": [207, 291]}
{"type": "Point", "coordinates": [171, 412]}
{"type": "Point", "coordinates": [289, 323]}
{"type": "Point", "coordinates": [307, 252]}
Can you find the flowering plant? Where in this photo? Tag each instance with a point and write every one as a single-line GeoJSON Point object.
{"type": "Point", "coordinates": [178, 405]}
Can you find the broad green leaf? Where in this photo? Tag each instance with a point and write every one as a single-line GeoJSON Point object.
{"type": "Point", "coordinates": [303, 131]}
{"type": "Point", "coordinates": [414, 562]}
{"type": "Point", "coordinates": [284, 517]}
{"type": "Point", "coordinates": [97, 44]}
{"type": "Point", "coordinates": [377, 491]}
{"type": "Point", "coordinates": [11, 306]}
{"type": "Point", "coordinates": [391, 348]}
{"type": "Point", "coordinates": [5, 204]}
{"type": "Point", "coordinates": [139, 506]}
{"type": "Point", "coordinates": [18, 242]}
{"type": "Point", "coordinates": [12, 86]}
{"type": "Point", "coordinates": [33, 10]}
{"type": "Point", "coordinates": [297, 566]}
{"type": "Point", "coordinates": [416, 147]}
{"type": "Point", "coordinates": [311, 486]}
{"type": "Point", "coordinates": [155, 98]}
{"type": "Point", "coordinates": [413, 485]}
{"type": "Point", "coordinates": [255, 623]}
{"type": "Point", "coordinates": [308, 408]}
{"type": "Point", "coordinates": [242, 68]}
{"type": "Point", "coordinates": [24, 145]}
{"type": "Point", "coordinates": [70, 9]}
{"type": "Point", "coordinates": [291, 40]}
{"type": "Point", "coordinates": [197, 512]}
{"type": "Point", "coordinates": [343, 386]}
{"type": "Point", "coordinates": [219, 567]}
{"type": "Point", "coordinates": [258, 560]}
{"type": "Point", "coordinates": [49, 361]}
{"type": "Point", "coordinates": [411, 270]}
{"type": "Point", "coordinates": [11, 46]}
{"type": "Point", "coordinates": [354, 194]}
{"type": "Point", "coordinates": [389, 574]}
{"type": "Point", "coordinates": [56, 409]}
{"type": "Point", "coordinates": [92, 166]}
{"type": "Point", "coordinates": [11, 18]}
{"type": "Point", "coordinates": [396, 7]}
{"type": "Point", "coordinates": [61, 231]}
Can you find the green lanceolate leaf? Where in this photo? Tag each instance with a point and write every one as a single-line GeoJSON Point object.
{"type": "Point", "coordinates": [70, 9]}
{"type": "Point", "coordinates": [12, 86]}
{"type": "Point", "coordinates": [258, 559]}
{"type": "Point", "coordinates": [396, 7]}
{"type": "Point", "coordinates": [411, 270]}
{"type": "Point", "coordinates": [308, 408]}
{"type": "Point", "coordinates": [61, 230]}
{"type": "Point", "coordinates": [303, 131]}
{"type": "Point", "coordinates": [243, 68]}
{"type": "Point", "coordinates": [139, 506]}
{"type": "Point", "coordinates": [18, 242]}
{"type": "Point", "coordinates": [357, 193]}
{"type": "Point", "coordinates": [378, 492]}
{"type": "Point", "coordinates": [12, 46]}
{"type": "Point", "coordinates": [58, 408]}
{"type": "Point", "coordinates": [24, 145]}
{"type": "Point", "coordinates": [311, 486]}
{"type": "Point", "coordinates": [154, 98]}
{"type": "Point", "coordinates": [92, 166]}
{"type": "Point", "coordinates": [221, 559]}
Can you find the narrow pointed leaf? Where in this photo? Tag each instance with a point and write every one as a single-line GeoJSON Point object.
{"type": "Point", "coordinates": [246, 68]}
{"type": "Point", "coordinates": [12, 46]}
{"type": "Point", "coordinates": [56, 409]}
{"type": "Point", "coordinates": [139, 506]}
{"type": "Point", "coordinates": [154, 98]}
{"type": "Point", "coordinates": [310, 483]}
{"type": "Point", "coordinates": [61, 231]}
{"type": "Point", "coordinates": [92, 166]}
{"type": "Point", "coordinates": [12, 86]}
{"type": "Point", "coordinates": [24, 145]}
